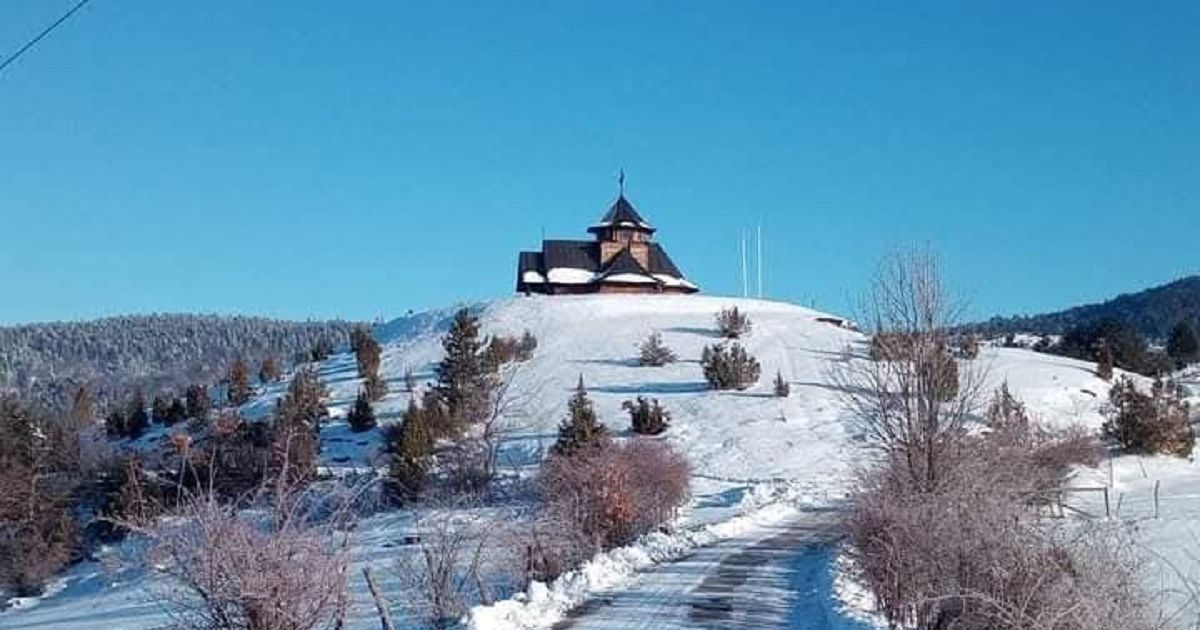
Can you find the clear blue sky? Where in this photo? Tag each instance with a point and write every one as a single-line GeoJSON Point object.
{"type": "Point", "coordinates": [357, 159]}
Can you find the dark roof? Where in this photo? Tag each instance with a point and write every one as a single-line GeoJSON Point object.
{"type": "Point", "coordinates": [624, 262]}
{"type": "Point", "coordinates": [621, 212]}
{"type": "Point", "coordinates": [660, 262]}
{"type": "Point", "coordinates": [527, 261]}
{"type": "Point", "coordinates": [570, 254]}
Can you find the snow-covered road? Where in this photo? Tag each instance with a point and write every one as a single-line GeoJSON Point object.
{"type": "Point", "coordinates": [778, 577]}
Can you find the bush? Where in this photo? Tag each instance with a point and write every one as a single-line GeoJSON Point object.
{"type": "Point", "coordinates": [1149, 423]}
{"type": "Point", "coordinates": [608, 496]}
{"type": "Point", "coordinates": [729, 367]}
{"type": "Point", "coordinates": [782, 388]}
{"type": "Point", "coordinates": [362, 416]}
{"type": "Point", "coordinates": [411, 447]}
{"type": "Point", "coordinates": [654, 353]}
{"type": "Point", "coordinates": [1104, 362]}
{"type": "Point", "coordinates": [732, 323]}
{"type": "Point", "coordinates": [647, 416]}
{"type": "Point", "coordinates": [501, 351]}
{"type": "Point", "coordinates": [1183, 346]}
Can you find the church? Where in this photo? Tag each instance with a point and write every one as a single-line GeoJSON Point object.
{"type": "Point", "coordinates": [623, 258]}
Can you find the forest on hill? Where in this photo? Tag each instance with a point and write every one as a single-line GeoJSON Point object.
{"type": "Point", "coordinates": [48, 362]}
{"type": "Point", "coordinates": [1152, 313]}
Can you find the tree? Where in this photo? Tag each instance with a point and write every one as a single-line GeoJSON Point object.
{"type": "Point", "coordinates": [580, 430]}
{"type": "Point", "coordinates": [83, 408]}
{"type": "Point", "coordinates": [1183, 346]}
{"type": "Point", "coordinates": [298, 416]}
{"type": "Point", "coordinates": [782, 387]}
{"type": "Point", "coordinates": [268, 371]}
{"type": "Point", "coordinates": [411, 446]}
{"type": "Point", "coordinates": [654, 353]}
{"type": "Point", "coordinates": [367, 353]}
{"type": "Point", "coordinates": [729, 367]}
{"type": "Point", "coordinates": [464, 384]}
{"type": "Point", "coordinates": [240, 390]}
{"type": "Point", "coordinates": [1104, 361]}
{"type": "Point", "coordinates": [197, 401]}
{"type": "Point", "coordinates": [913, 403]}
{"type": "Point", "coordinates": [1149, 423]}
{"type": "Point", "coordinates": [362, 416]}
{"type": "Point", "coordinates": [321, 349]}
{"type": "Point", "coordinates": [646, 416]}
{"type": "Point", "coordinates": [137, 419]}
{"type": "Point", "coordinates": [177, 412]}
{"type": "Point", "coordinates": [160, 408]}
{"type": "Point", "coordinates": [732, 323]}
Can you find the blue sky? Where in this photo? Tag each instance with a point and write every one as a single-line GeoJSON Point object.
{"type": "Point", "coordinates": [358, 159]}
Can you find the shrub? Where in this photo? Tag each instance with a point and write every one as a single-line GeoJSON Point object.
{"type": "Point", "coordinates": [729, 367]}
{"type": "Point", "coordinates": [654, 353]}
{"type": "Point", "coordinates": [782, 388]}
{"type": "Point", "coordinates": [1183, 346]}
{"type": "Point", "coordinates": [607, 496]}
{"type": "Point", "coordinates": [580, 430]}
{"type": "Point", "coordinates": [1149, 423]}
{"type": "Point", "coordinates": [1104, 362]}
{"type": "Point", "coordinates": [966, 346]}
{"type": "Point", "coordinates": [647, 416]}
{"type": "Point", "coordinates": [732, 323]}
{"type": "Point", "coordinates": [362, 416]}
{"type": "Point", "coordinates": [239, 390]}
{"type": "Point", "coordinates": [269, 371]}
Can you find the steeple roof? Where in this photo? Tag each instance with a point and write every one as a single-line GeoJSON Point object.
{"type": "Point", "coordinates": [622, 214]}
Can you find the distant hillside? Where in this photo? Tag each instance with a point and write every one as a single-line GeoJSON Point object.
{"type": "Point", "coordinates": [48, 361]}
{"type": "Point", "coordinates": [1151, 312]}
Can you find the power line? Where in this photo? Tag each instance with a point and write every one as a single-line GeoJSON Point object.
{"type": "Point", "coordinates": [33, 42]}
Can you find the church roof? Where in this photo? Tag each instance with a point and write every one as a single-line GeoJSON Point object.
{"type": "Point", "coordinates": [622, 214]}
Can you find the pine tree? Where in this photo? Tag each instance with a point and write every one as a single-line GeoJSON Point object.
{"type": "Point", "coordinates": [268, 371]}
{"type": "Point", "coordinates": [362, 416]}
{"type": "Point", "coordinates": [732, 323]}
{"type": "Point", "coordinates": [411, 448]}
{"type": "Point", "coordinates": [580, 430]}
{"type": "Point", "coordinates": [647, 417]}
{"type": "Point", "coordinates": [1183, 346]}
{"type": "Point", "coordinates": [177, 411]}
{"type": "Point", "coordinates": [782, 388]}
{"type": "Point", "coordinates": [463, 382]}
{"type": "Point", "coordinates": [160, 409]}
{"type": "Point", "coordinates": [137, 419]}
{"type": "Point", "coordinates": [197, 401]}
{"type": "Point", "coordinates": [410, 381]}
{"type": "Point", "coordinates": [239, 391]}
{"type": "Point", "coordinates": [654, 353]}
{"type": "Point", "coordinates": [298, 416]}
{"type": "Point", "coordinates": [321, 349]}
{"type": "Point", "coordinates": [83, 408]}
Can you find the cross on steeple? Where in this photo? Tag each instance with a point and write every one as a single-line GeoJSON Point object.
{"type": "Point", "coordinates": [621, 182]}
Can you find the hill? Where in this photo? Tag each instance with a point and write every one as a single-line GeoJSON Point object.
{"type": "Point", "coordinates": [1151, 312]}
{"type": "Point", "coordinates": [48, 361]}
{"type": "Point", "coordinates": [748, 449]}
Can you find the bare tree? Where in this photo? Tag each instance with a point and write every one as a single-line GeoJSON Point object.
{"type": "Point", "coordinates": [912, 401]}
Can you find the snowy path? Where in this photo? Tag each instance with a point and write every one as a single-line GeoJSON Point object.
{"type": "Point", "coordinates": [778, 577]}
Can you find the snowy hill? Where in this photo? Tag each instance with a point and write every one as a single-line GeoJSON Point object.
{"type": "Point", "coordinates": [745, 447]}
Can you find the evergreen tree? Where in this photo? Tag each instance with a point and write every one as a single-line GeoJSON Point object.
{"type": "Point", "coordinates": [647, 417]}
{"type": "Point", "coordinates": [782, 388]}
{"type": "Point", "coordinates": [362, 416]}
{"type": "Point", "coordinates": [137, 419]}
{"type": "Point", "coordinates": [268, 371]}
{"type": "Point", "coordinates": [177, 411]}
{"type": "Point", "coordinates": [239, 391]}
{"type": "Point", "coordinates": [580, 430]}
{"type": "Point", "coordinates": [464, 384]}
{"type": "Point", "coordinates": [83, 408]}
{"type": "Point", "coordinates": [115, 424]}
{"type": "Point", "coordinates": [1183, 346]}
{"type": "Point", "coordinates": [160, 409]}
{"type": "Point", "coordinates": [197, 401]}
{"type": "Point", "coordinates": [411, 447]}
{"type": "Point", "coordinates": [321, 350]}
{"type": "Point", "coordinates": [654, 353]}
{"type": "Point", "coordinates": [298, 415]}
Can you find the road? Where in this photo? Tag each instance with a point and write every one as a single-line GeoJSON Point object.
{"type": "Point", "coordinates": [777, 578]}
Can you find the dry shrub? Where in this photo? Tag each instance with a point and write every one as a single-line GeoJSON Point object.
{"type": "Point", "coordinates": [646, 416]}
{"type": "Point", "coordinates": [606, 497]}
{"type": "Point", "coordinates": [969, 552]}
{"type": "Point", "coordinates": [276, 564]}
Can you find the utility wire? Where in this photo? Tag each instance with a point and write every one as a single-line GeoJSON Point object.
{"type": "Point", "coordinates": [31, 43]}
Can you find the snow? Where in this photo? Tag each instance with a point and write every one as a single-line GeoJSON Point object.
{"type": "Point", "coordinates": [631, 277]}
{"type": "Point", "coordinates": [754, 456]}
{"type": "Point", "coordinates": [570, 275]}
{"type": "Point", "coordinates": [532, 277]}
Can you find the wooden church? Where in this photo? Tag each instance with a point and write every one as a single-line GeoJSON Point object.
{"type": "Point", "coordinates": [623, 258]}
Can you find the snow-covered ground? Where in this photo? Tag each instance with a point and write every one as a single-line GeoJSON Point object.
{"type": "Point", "coordinates": [748, 449]}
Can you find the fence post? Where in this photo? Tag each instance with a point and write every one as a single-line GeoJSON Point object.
{"type": "Point", "coordinates": [1156, 482]}
{"type": "Point", "coordinates": [1107, 513]}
